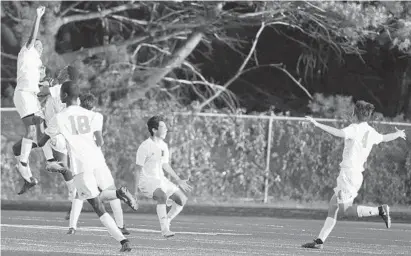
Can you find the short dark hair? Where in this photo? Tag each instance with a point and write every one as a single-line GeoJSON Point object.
{"type": "Point", "coordinates": [363, 110]}
{"type": "Point", "coordinates": [71, 89]}
{"type": "Point", "coordinates": [153, 123]}
{"type": "Point", "coordinates": [88, 101]}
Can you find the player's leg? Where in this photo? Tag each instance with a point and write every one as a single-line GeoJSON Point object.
{"type": "Point", "coordinates": [76, 207]}
{"type": "Point", "coordinates": [361, 211]}
{"type": "Point", "coordinates": [328, 226]}
{"type": "Point", "coordinates": [160, 196]}
{"type": "Point", "coordinates": [87, 188]}
{"type": "Point", "coordinates": [179, 199]}
{"type": "Point", "coordinates": [105, 182]}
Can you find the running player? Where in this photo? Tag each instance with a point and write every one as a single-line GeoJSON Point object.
{"type": "Point", "coordinates": [103, 177]}
{"type": "Point", "coordinates": [78, 127]}
{"type": "Point", "coordinates": [151, 158]}
{"type": "Point", "coordinates": [359, 138]}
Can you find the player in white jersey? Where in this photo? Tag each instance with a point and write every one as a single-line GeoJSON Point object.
{"type": "Point", "coordinates": [29, 67]}
{"type": "Point", "coordinates": [359, 138]}
{"type": "Point", "coordinates": [151, 158]}
{"type": "Point", "coordinates": [103, 177]}
{"type": "Point", "coordinates": [79, 126]}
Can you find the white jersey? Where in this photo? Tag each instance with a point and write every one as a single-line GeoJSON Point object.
{"type": "Point", "coordinates": [53, 103]}
{"type": "Point", "coordinates": [151, 156]}
{"type": "Point", "coordinates": [359, 140]}
{"type": "Point", "coordinates": [78, 125]}
{"type": "Point", "coordinates": [28, 70]}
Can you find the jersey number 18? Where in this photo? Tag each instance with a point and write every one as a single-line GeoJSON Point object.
{"type": "Point", "coordinates": [79, 125]}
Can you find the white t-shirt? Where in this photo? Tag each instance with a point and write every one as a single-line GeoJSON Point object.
{"type": "Point", "coordinates": [358, 142]}
{"type": "Point", "coordinates": [28, 70]}
{"type": "Point", "coordinates": [151, 156]}
{"type": "Point", "coordinates": [78, 125]}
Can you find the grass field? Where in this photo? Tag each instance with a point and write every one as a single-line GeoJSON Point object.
{"type": "Point", "coordinates": [44, 233]}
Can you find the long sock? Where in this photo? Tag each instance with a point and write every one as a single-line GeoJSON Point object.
{"type": "Point", "coordinates": [108, 195]}
{"type": "Point", "coordinates": [26, 145]}
{"type": "Point", "coordinates": [327, 228]}
{"type": "Point", "coordinates": [71, 189]}
{"type": "Point", "coordinates": [110, 224]}
{"type": "Point", "coordinates": [174, 211]}
{"type": "Point", "coordinates": [48, 152]}
{"type": "Point", "coordinates": [117, 212]}
{"type": "Point", "coordinates": [162, 216]}
{"type": "Point", "coordinates": [366, 211]}
{"type": "Point", "coordinates": [76, 207]}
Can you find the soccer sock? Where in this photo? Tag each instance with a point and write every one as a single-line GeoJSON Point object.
{"type": "Point", "coordinates": [162, 216]}
{"type": "Point", "coordinates": [327, 228]}
{"type": "Point", "coordinates": [110, 224]}
{"type": "Point", "coordinates": [117, 212]}
{"type": "Point", "coordinates": [366, 211]}
{"type": "Point", "coordinates": [26, 145]}
{"type": "Point", "coordinates": [174, 211]}
{"type": "Point", "coordinates": [71, 189]}
{"type": "Point", "coordinates": [76, 207]}
{"type": "Point", "coordinates": [108, 195]}
{"type": "Point", "coordinates": [48, 153]}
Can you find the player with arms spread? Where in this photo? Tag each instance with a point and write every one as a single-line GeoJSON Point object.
{"type": "Point", "coordinates": [359, 138]}
{"type": "Point", "coordinates": [151, 158]}
{"type": "Point", "coordinates": [78, 126]}
{"type": "Point", "coordinates": [103, 177]}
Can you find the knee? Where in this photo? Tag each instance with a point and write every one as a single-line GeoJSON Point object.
{"type": "Point", "coordinates": [180, 200]}
{"type": "Point", "coordinates": [333, 210]}
{"type": "Point", "coordinates": [31, 132]}
{"type": "Point", "coordinates": [160, 196]}
{"type": "Point", "coordinates": [97, 206]}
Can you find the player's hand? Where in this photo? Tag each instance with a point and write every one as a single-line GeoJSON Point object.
{"type": "Point", "coordinates": [184, 185]}
{"type": "Point", "coordinates": [401, 133]}
{"type": "Point", "coordinates": [310, 119]}
{"type": "Point", "coordinates": [41, 10]}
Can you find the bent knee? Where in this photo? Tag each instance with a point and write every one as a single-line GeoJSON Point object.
{"type": "Point", "coordinates": [160, 196]}
{"type": "Point", "coordinates": [31, 132]}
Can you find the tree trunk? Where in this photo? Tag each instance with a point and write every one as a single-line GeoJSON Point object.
{"type": "Point", "coordinates": [404, 105]}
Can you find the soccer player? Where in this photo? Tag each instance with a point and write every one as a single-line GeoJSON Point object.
{"type": "Point", "coordinates": [103, 177]}
{"type": "Point", "coordinates": [359, 138]}
{"type": "Point", "coordinates": [151, 158]}
{"type": "Point", "coordinates": [78, 126]}
{"type": "Point", "coordinates": [29, 67]}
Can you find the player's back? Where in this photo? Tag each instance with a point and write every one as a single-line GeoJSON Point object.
{"type": "Point", "coordinates": [78, 125]}
{"type": "Point", "coordinates": [360, 138]}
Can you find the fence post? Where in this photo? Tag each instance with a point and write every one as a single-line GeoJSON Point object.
{"type": "Point", "coordinates": [268, 156]}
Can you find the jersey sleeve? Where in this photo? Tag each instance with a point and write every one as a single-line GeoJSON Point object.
{"type": "Point", "coordinates": [97, 122]}
{"type": "Point", "coordinates": [52, 129]}
{"type": "Point", "coordinates": [349, 132]}
{"type": "Point", "coordinates": [141, 155]}
{"type": "Point", "coordinates": [165, 156]}
{"type": "Point", "coordinates": [377, 137]}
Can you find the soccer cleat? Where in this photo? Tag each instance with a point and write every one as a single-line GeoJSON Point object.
{"type": "Point", "coordinates": [125, 246]}
{"type": "Point", "coordinates": [316, 244]}
{"type": "Point", "coordinates": [54, 166]}
{"type": "Point", "coordinates": [124, 195]}
{"type": "Point", "coordinates": [71, 231]}
{"type": "Point", "coordinates": [67, 217]}
{"type": "Point", "coordinates": [28, 185]}
{"type": "Point", "coordinates": [124, 231]}
{"type": "Point", "coordinates": [167, 233]}
{"type": "Point", "coordinates": [385, 214]}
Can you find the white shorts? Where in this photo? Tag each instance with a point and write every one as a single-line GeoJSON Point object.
{"type": "Point", "coordinates": [103, 177]}
{"type": "Point", "coordinates": [147, 186]}
{"type": "Point", "coordinates": [348, 184]}
{"type": "Point", "coordinates": [58, 143]}
{"type": "Point", "coordinates": [86, 185]}
{"type": "Point", "coordinates": [27, 103]}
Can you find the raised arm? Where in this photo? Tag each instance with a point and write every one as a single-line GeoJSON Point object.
{"type": "Point", "coordinates": [395, 135]}
{"type": "Point", "coordinates": [35, 29]}
{"type": "Point", "coordinates": [334, 131]}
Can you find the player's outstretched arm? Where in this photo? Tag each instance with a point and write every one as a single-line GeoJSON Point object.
{"type": "Point", "coordinates": [334, 131]}
{"type": "Point", "coordinates": [395, 135]}
{"type": "Point", "coordinates": [98, 135]}
{"type": "Point", "coordinates": [35, 29]}
{"type": "Point", "coordinates": [182, 183]}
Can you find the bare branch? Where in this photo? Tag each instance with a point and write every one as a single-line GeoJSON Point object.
{"type": "Point", "coordinates": [10, 56]}
{"type": "Point", "coordinates": [134, 21]}
{"type": "Point", "coordinates": [69, 9]}
{"type": "Point", "coordinates": [294, 80]}
{"type": "Point", "coordinates": [240, 70]}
